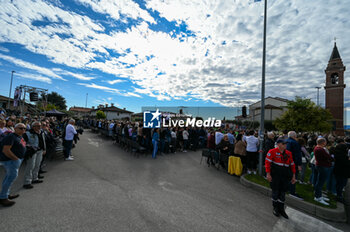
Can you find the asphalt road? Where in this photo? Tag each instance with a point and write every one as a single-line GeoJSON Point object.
{"type": "Point", "coordinates": [108, 189]}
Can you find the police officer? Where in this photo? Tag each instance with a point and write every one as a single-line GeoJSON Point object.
{"type": "Point", "coordinates": [280, 169]}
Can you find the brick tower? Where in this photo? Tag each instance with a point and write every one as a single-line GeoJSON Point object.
{"type": "Point", "coordinates": [335, 90]}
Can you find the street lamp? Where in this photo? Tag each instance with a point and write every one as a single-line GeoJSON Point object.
{"type": "Point", "coordinates": [318, 95]}
{"type": "Point", "coordinates": [262, 112]}
{"type": "Point", "coordinates": [8, 103]}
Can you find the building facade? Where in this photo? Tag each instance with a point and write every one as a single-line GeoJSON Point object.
{"type": "Point", "coordinates": [112, 112]}
{"type": "Point", "coordinates": [274, 108]}
{"type": "Point", "coordinates": [80, 111]}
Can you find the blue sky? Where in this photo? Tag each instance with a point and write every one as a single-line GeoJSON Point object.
{"type": "Point", "coordinates": [170, 52]}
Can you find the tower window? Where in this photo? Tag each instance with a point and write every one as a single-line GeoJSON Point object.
{"type": "Point", "coordinates": [334, 78]}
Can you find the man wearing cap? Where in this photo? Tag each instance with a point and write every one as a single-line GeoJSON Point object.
{"type": "Point", "coordinates": [280, 171]}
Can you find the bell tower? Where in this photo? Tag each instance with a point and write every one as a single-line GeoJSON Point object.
{"type": "Point", "coordinates": [335, 90]}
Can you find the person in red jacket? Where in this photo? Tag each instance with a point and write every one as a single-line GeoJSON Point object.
{"type": "Point", "coordinates": [280, 171]}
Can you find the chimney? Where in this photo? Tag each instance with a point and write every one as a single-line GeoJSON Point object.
{"type": "Point", "coordinates": [112, 104]}
{"type": "Point", "coordinates": [93, 107]}
{"type": "Point", "coordinates": [123, 108]}
{"type": "Point", "coordinates": [106, 105]}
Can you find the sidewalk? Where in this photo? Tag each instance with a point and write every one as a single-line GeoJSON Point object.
{"type": "Point", "coordinates": [334, 215]}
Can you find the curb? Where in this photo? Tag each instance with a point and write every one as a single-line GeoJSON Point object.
{"type": "Point", "coordinates": [334, 215]}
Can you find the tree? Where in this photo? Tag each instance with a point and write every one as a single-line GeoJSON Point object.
{"type": "Point", "coordinates": [269, 126]}
{"type": "Point", "coordinates": [237, 122]}
{"type": "Point", "coordinates": [304, 116]}
{"type": "Point", "coordinates": [50, 107]}
{"type": "Point", "coordinates": [100, 114]}
{"type": "Point", "coordinates": [251, 124]}
{"type": "Point", "coordinates": [57, 100]}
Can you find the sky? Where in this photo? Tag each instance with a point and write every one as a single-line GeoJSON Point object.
{"type": "Point", "coordinates": [136, 53]}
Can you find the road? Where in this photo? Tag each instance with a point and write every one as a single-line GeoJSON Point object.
{"type": "Point", "coordinates": [108, 189]}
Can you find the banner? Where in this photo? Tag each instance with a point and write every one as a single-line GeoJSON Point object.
{"type": "Point", "coordinates": [17, 97]}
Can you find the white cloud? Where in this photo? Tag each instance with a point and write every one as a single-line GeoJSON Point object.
{"type": "Point", "coordinates": [115, 81]}
{"type": "Point", "coordinates": [220, 63]}
{"type": "Point", "coordinates": [76, 75]}
{"type": "Point", "coordinates": [34, 77]}
{"type": "Point", "coordinates": [2, 49]}
{"type": "Point", "coordinates": [116, 8]}
{"type": "Point", "coordinates": [24, 64]}
{"type": "Point", "coordinates": [109, 90]}
{"type": "Point", "coordinates": [17, 18]}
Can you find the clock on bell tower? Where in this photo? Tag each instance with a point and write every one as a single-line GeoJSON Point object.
{"type": "Point", "coordinates": [335, 90]}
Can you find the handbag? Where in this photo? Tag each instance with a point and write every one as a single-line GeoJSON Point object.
{"type": "Point", "coordinates": [30, 151]}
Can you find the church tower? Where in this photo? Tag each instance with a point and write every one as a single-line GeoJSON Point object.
{"type": "Point", "coordinates": [335, 90]}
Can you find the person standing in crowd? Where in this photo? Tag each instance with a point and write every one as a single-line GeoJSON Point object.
{"type": "Point", "coordinates": [173, 140]}
{"type": "Point", "coordinates": [49, 142]}
{"type": "Point", "coordinates": [110, 129]}
{"type": "Point", "coordinates": [284, 136]}
{"type": "Point", "coordinates": [9, 126]}
{"type": "Point", "coordinates": [139, 134]}
{"type": "Point", "coordinates": [240, 150]}
{"type": "Point", "coordinates": [347, 143]}
{"type": "Point", "coordinates": [294, 147]}
{"type": "Point", "coordinates": [252, 143]}
{"type": "Point", "coordinates": [280, 171]}
{"type": "Point", "coordinates": [311, 143]}
{"type": "Point", "coordinates": [2, 127]}
{"type": "Point", "coordinates": [162, 135]}
{"type": "Point", "coordinates": [323, 167]}
{"type": "Point", "coordinates": [218, 137]}
{"type": "Point", "coordinates": [212, 149]}
{"type": "Point", "coordinates": [341, 168]}
{"type": "Point", "coordinates": [185, 135]}
{"type": "Point", "coordinates": [231, 137]}
{"type": "Point", "coordinates": [331, 181]}
{"type": "Point", "coordinates": [313, 176]}
{"type": "Point", "coordinates": [225, 148]}
{"type": "Point", "coordinates": [35, 139]}
{"type": "Point", "coordinates": [304, 160]}
{"type": "Point", "coordinates": [70, 132]}
{"type": "Point", "coordinates": [155, 142]}
{"type": "Point", "coordinates": [12, 150]}
{"type": "Point", "coordinates": [202, 137]}
{"type": "Point", "coordinates": [269, 143]}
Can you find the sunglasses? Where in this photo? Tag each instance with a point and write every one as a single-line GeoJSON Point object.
{"type": "Point", "coordinates": [21, 128]}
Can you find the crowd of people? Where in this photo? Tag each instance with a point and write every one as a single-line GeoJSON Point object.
{"type": "Point", "coordinates": [30, 141]}
{"type": "Point", "coordinates": [34, 138]}
{"type": "Point", "coordinates": [327, 156]}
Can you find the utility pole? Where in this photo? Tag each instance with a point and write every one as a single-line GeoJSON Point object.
{"type": "Point", "coordinates": [318, 95]}
{"type": "Point", "coordinates": [8, 103]}
{"type": "Point", "coordinates": [86, 100]}
{"type": "Point", "coordinates": [262, 112]}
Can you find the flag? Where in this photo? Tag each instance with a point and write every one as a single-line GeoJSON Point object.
{"type": "Point", "coordinates": [17, 97]}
